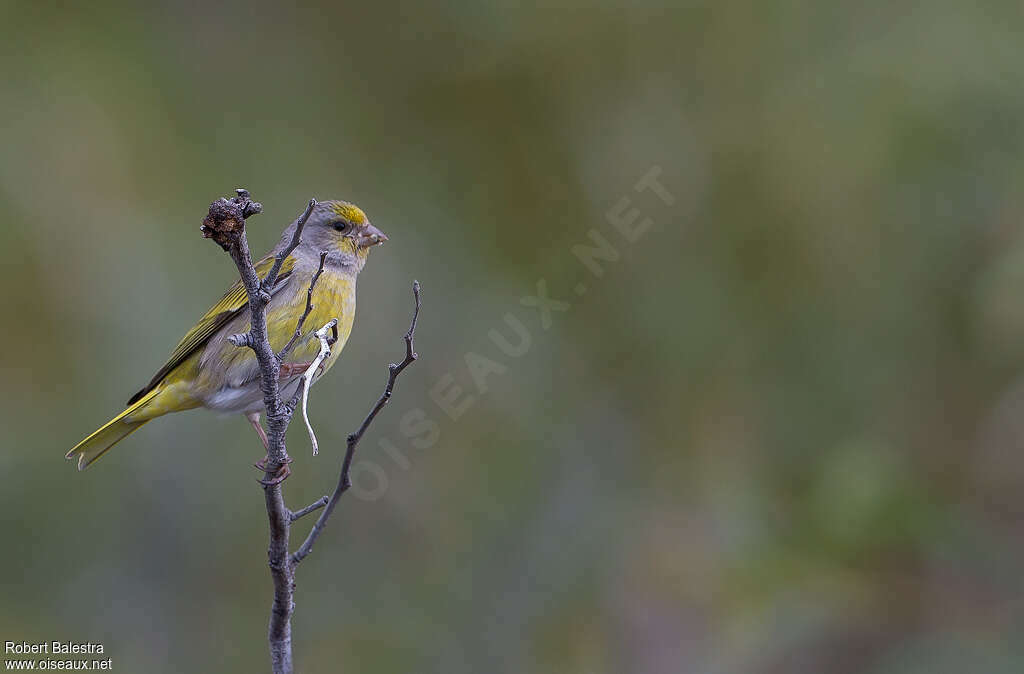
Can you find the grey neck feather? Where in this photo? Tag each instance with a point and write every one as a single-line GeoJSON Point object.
{"type": "Point", "coordinates": [309, 250]}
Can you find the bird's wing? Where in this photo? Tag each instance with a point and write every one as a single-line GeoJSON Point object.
{"type": "Point", "coordinates": [233, 301]}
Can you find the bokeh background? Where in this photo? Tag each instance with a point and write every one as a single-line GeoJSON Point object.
{"type": "Point", "coordinates": [783, 432]}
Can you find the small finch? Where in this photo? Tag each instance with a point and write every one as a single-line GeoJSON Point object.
{"type": "Point", "coordinates": [206, 370]}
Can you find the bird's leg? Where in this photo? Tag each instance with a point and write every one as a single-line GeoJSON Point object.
{"type": "Point", "coordinates": [254, 419]}
{"type": "Point", "coordinates": [284, 471]}
{"type": "Point", "coordinates": [289, 370]}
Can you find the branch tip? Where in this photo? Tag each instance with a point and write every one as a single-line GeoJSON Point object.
{"type": "Point", "coordinates": [344, 480]}
{"type": "Point", "coordinates": [305, 314]}
{"type": "Point", "coordinates": [279, 259]}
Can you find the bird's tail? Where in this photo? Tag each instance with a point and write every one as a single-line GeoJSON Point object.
{"type": "Point", "coordinates": [115, 430]}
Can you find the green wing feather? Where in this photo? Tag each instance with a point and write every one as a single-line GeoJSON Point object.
{"type": "Point", "coordinates": [233, 301]}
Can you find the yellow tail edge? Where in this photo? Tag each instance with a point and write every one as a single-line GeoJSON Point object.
{"type": "Point", "coordinates": [108, 435]}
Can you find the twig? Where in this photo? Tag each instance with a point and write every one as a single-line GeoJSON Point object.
{"type": "Point", "coordinates": [312, 507]}
{"type": "Point", "coordinates": [344, 482]}
{"type": "Point", "coordinates": [305, 314]}
{"type": "Point", "coordinates": [271, 279]}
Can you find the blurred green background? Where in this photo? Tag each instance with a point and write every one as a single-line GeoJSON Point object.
{"type": "Point", "coordinates": [781, 433]}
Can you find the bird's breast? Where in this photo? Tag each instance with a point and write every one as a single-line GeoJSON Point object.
{"type": "Point", "coordinates": [334, 297]}
{"type": "Point", "coordinates": [229, 376]}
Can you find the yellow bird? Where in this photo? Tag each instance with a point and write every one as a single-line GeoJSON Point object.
{"type": "Point", "coordinates": [205, 370]}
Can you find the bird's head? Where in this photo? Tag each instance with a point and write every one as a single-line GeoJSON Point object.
{"type": "Point", "coordinates": [343, 230]}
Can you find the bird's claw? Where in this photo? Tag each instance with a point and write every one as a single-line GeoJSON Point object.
{"type": "Point", "coordinates": [280, 476]}
{"type": "Point", "coordinates": [262, 463]}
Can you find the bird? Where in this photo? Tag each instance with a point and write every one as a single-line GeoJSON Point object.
{"type": "Point", "coordinates": [205, 370]}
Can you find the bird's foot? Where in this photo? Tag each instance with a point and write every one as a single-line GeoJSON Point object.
{"type": "Point", "coordinates": [280, 476]}
{"type": "Point", "coordinates": [262, 463]}
{"type": "Point", "coordinates": [289, 370]}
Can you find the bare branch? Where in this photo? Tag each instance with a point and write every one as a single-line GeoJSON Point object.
{"type": "Point", "coordinates": [279, 259]}
{"type": "Point", "coordinates": [393, 372]}
{"type": "Point", "coordinates": [344, 482]}
{"type": "Point", "coordinates": [305, 314]}
{"type": "Point", "coordinates": [312, 507]}
{"type": "Point", "coordinates": [225, 224]}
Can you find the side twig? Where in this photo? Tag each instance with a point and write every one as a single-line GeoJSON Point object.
{"type": "Point", "coordinates": [271, 279]}
{"type": "Point", "coordinates": [344, 482]}
{"type": "Point", "coordinates": [311, 508]}
{"type": "Point", "coordinates": [305, 314]}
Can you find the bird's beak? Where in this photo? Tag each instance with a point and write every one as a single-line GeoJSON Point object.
{"type": "Point", "coordinates": [368, 236]}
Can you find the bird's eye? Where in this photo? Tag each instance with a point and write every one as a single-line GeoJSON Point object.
{"type": "Point", "coordinates": [340, 226]}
